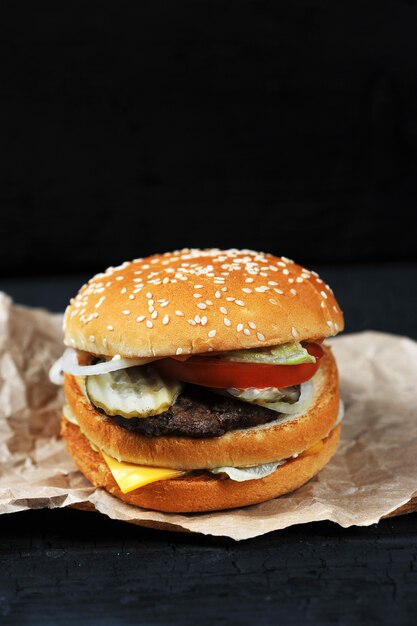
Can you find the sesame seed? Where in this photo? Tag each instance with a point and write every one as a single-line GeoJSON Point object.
{"type": "Point", "coordinates": [123, 290]}
{"type": "Point", "coordinates": [100, 302]}
{"type": "Point", "coordinates": [273, 283]}
{"type": "Point", "coordinates": [227, 322]}
{"type": "Point", "coordinates": [148, 294]}
{"type": "Point", "coordinates": [198, 286]}
{"type": "Point", "coordinates": [293, 291]}
{"type": "Point", "coordinates": [197, 319]}
{"type": "Point", "coordinates": [110, 327]}
{"type": "Point", "coordinates": [209, 302]}
{"type": "Point", "coordinates": [322, 304]}
{"type": "Point", "coordinates": [178, 351]}
{"type": "Point", "coordinates": [252, 325]}
{"type": "Point", "coordinates": [131, 296]}
{"type": "Point", "coordinates": [179, 313]}
{"type": "Point", "coordinates": [330, 323]}
{"type": "Point", "coordinates": [223, 310]}
{"type": "Point", "coordinates": [290, 280]}
{"type": "Point", "coordinates": [149, 324]}
{"type": "Point", "coordinates": [204, 320]}
{"type": "Point", "coordinates": [218, 294]}
{"type": "Point", "coordinates": [201, 305]}
{"type": "Point", "coordinates": [246, 331]}
{"type": "Point", "coordinates": [119, 277]}
{"type": "Point", "coordinates": [285, 271]}
{"type": "Point", "coordinates": [248, 280]}
{"type": "Point", "coordinates": [294, 332]}
{"type": "Point", "coordinates": [154, 314]}
{"type": "Point", "coordinates": [211, 333]}
{"type": "Point", "coordinates": [260, 336]}
{"type": "Point", "coordinates": [192, 322]}
{"type": "Point", "coordinates": [272, 301]}
{"type": "Point", "coordinates": [239, 327]}
{"type": "Point", "coordinates": [278, 291]}
{"type": "Point", "coordinates": [239, 302]}
{"type": "Point", "coordinates": [92, 338]}
{"type": "Point", "coordinates": [299, 279]}
{"type": "Point", "coordinates": [197, 295]}
{"type": "Point", "coordinates": [140, 318]}
{"type": "Point", "coordinates": [164, 303]}
{"type": "Point", "coordinates": [324, 294]}
{"type": "Point", "coordinates": [116, 357]}
{"type": "Point", "coordinates": [165, 319]}
{"type": "Point", "coordinates": [246, 290]}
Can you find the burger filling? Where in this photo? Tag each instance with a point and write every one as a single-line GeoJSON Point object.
{"type": "Point", "coordinates": [189, 409]}
{"type": "Point", "coordinates": [199, 413]}
{"type": "Point", "coordinates": [199, 396]}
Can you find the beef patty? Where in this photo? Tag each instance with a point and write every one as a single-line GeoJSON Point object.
{"type": "Point", "coordinates": [199, 413]}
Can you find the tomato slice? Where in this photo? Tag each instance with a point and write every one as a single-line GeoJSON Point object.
{"type": "Point", "coordinates": [212, 372]}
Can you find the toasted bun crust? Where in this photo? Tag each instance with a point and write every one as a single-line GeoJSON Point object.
{"type": "Point", "coordinates": [201, 491]}
{"type": "Point", "coordinates": [194, 301]}
{"type": "Point", "coordinates": [251, 446]}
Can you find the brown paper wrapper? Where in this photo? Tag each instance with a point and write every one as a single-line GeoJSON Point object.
{"type": "Point", "coordinates": [373, 473]}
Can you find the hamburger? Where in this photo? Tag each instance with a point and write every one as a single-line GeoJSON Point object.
{"type": "Point", "coordinates": [199, 380]}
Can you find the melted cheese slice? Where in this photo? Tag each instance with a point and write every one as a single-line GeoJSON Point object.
{"type": "Point", "coordinates": [130, 476]}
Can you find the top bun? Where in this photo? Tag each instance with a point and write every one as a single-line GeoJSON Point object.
{"type": "Point", "coordinates": [193, 301]}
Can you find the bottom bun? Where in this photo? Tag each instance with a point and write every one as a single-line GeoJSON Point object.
{"type": "Point", "coordinates": [200, 490]}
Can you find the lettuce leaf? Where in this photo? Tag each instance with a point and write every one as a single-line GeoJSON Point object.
{"type": "Point", "coordinates": [284, 354]}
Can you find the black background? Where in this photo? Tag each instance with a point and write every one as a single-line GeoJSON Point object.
{"type": "Point", "coordinates": [130, 128]}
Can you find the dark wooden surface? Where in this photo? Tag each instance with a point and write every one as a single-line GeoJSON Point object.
{"type": "Point", "coordinates": [75, 567]}
{"type": "Point", "coordinates": [71, 567]}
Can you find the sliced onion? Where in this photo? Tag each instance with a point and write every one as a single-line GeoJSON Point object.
{"type": "Point", "coordinates": [70, 364]}
{"type": "Point", "coordinates": [306, 389]}
{"type": "Point", "coordinates": [55, 373]}
{"type": "Point", "coordinates": [341, 413]}
{"type": "Point", "coordinates": [240, 474]}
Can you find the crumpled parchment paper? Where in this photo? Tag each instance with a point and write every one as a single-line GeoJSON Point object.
{"type": "Point", "coordinates": [373, 473]}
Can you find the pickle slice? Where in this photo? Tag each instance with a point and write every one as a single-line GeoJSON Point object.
{"type": "Point", "coordinates": [133, 392]}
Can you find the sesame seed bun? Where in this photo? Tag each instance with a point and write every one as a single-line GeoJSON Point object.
{"type": "Point", "coordinates": [200, 491]}
{"type": "Point", "coordinates": [194, 301]}
{"type": "Point", "coordinates": [250, 446]}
